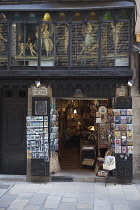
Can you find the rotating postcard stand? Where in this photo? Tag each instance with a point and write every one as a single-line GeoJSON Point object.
{"type": "Point", "coordinates": [38, 137]}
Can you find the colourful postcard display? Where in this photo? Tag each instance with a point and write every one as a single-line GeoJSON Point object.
{"type": "Point", "coordinates": [123, 130]}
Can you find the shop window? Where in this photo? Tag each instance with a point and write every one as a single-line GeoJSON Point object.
{"type": "Point", "coordinates": [108, 16]}
{"type": "Point", "coordinates": [47, 17]}
{"type": "Point", "coordinates": [2, 17]}
{"type": "Point", "coordinates": [32, 17]}
{"type": "Point", "coordinates": [3, 44]}
{"type": "Point", "coordinates": [92, 17]}
{"type": "Point", "coordinates": [62, 17]}
{"type": "Point", "coordinates": [123, 15]}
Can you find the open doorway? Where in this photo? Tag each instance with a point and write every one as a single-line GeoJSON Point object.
{"type": "Point", "coordinates": [80, 133]}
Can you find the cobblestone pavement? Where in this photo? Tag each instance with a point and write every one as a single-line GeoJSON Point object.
{"type": "Point", "coordinates": [69, 196]}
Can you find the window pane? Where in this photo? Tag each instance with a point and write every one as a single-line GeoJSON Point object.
{"type": "Point", "coordinates": [62, 40]}
{"type": "Point", "coordinates": [107, 45]}
{"type": "Point", "coordinates": [47, 44]}
{"type": "Point", "coordinates": [78, 44]}
{"type": "Point", "coordinates": [31, 44]}
{"type": "Point", "coordinates": [3, 44]}
{"type": "Point", "coordinates": [32, 17]}
{"type": "Point", "coordinates": [17, 17]}
{"type": "Point", "coordinates": [91, 44]}
{"type": "Point", "coordinates": [122, 44]}
{"type": "Point", "coordinates": [108, 16]}
{"type": "Point", "coordinates": [77, 17]}
{"type": "Point", "coordinates": [92, 17]}
{"type": "Point", "coordinates": [2, 17]}
{"type": "Point", "coordinates": [18, 44]}
{"type": "Point", "coordinates": [47, 17]}
{"type": "Point", "coordinates": [62, 17]}
{"type": "Point", "coordinates": [123, 15]}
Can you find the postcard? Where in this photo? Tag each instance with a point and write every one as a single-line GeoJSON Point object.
{"type": "Point", "coordinates": [54, 129]}
{"type": "Point", "coordinates": [129, 119]}
{"type": "Point", "coordinates": [118, 149]}
{"type": "Point", "coordinates": [118, 142]}
{"type": "Point", "coordinates": [124, 142]}
{"type": "Point", "coordinates": [123, 112]}
{"type": "Point", "coordinates": [123, 127]}
{"type": "Point", "coordinates": [110, 111]}
{"type": "Point", "coordinates": [111, 118]}
{"type": "Point", "coordinates": [54, 117]}
{"type": "Point", "coordinates": [98, 120]}
{"type": "Point", "coordinates": [123, 119]}
{"type": "Point", "coordinates": [123, 134]}
{"type": "Point", "coordinates": [130, 142]}
{"type": "Point", "coordinates": [130, 149]}
{"type": "Point", "coordinates": [46, 118]}
{"type": "Point", "coordinates": [117, 127]}
{"type": "Point", "coordinates": [124, 149]}
{"type": "Point", "coordinates": [116, 112]}
{"type": "Point", "coordinates": [112, 126]}
{"type": "Point", "coordinates": [129, 134]}
{"type": "Point", "coordinates": [117, 119]}
{"type": "Point", "coordinates": [129, 127]}
{"type": "Point", "coordinates": [45, 124]}
{"type": "Point", "coordinates": [129, 112]}
{"type": "Point", "coordinates": [117, 135]}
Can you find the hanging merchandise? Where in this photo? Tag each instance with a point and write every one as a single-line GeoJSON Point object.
{"type": "Point", "coordinates": [54, 140]}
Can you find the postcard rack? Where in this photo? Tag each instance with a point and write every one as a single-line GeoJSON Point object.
{"type": "Point", "coordinates": [37, 136]}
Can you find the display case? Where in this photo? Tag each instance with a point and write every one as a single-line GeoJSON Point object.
{"type": "Point", "coordinates": [37, 135]}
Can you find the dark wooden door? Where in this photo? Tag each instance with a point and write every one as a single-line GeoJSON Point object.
{"type": "Point", "coordinates": [13, 131]}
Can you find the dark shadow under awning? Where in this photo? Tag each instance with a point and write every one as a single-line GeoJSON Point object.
{"type": "Point", "coordinates": [67, 6]}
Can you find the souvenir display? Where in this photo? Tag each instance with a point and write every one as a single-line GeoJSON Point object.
{"type": "Point", "coordinates": [123, 131]}
{"type": "Point", "coordinates": [53, 131]}
{"type": "Point", "coordinates": [37, 137]}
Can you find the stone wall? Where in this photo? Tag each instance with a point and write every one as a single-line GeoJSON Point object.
{"type": "Point", "coordinates": [136, 116]}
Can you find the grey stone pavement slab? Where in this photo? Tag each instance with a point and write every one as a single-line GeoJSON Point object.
{"type": "Point", "coordinates": [69, 196]}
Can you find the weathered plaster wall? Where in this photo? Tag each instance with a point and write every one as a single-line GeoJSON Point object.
{"type": "Point", "coordinates": [136, 116]}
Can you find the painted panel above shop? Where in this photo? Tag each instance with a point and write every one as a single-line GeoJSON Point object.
{"type": "Point", "coordinates": [88, 40]}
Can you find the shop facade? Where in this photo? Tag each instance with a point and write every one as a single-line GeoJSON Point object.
{"type": "Point", "coordinates": [79, 54]}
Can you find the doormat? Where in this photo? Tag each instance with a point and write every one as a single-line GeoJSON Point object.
{"type": "Point", "coordinates": [4, 186]}
{"type": "Point", "coordinates": [61, 179]}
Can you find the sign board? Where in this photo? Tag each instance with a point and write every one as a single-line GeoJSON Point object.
{"type": "Point", "coordinates": [40, 91]}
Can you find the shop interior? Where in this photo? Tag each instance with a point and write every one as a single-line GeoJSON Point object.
{"type": "Point", "coordinates": [83, 139]}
